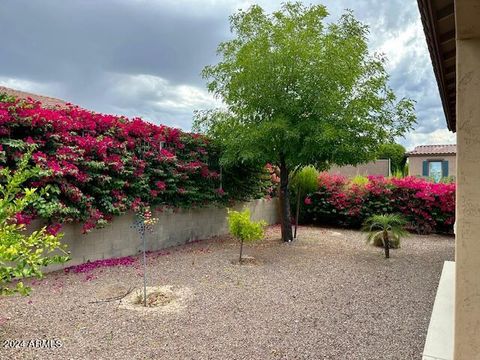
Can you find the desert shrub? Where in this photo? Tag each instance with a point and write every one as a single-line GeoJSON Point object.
{"type": "Point", "coordinates": [302, 182]}
{"type": "Point", "coordinates": [398, 174]}
{"type": "Point", "coordinates": [426, 206]}
{"type": "Point", "coordinates": [243, 228]}
{"type": "Point", "coordinates": [359, 180]}
{"type": "Point", "coordinates": [396, 154]}
{"type": "Point", "coordinates": [102, 165]}
{"type": "Point", "coordinates": [447, 179]}
{"type": "Point", "coordinates": [23, 254]}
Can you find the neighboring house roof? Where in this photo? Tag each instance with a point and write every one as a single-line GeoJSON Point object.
{"type": "Point", "coordinates": [45, 100]}
{"type": "Point", "coordinates": [438, 18]}
{"type": "Point", "coordinates": [434, 150]}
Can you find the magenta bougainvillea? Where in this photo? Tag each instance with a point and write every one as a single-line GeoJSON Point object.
{"type": "Point", "coordinates": [92, 265]}
{"type": "Point", "coordinates": [96, 166]}
{"type": "Point", "coordinates": [428, 206]}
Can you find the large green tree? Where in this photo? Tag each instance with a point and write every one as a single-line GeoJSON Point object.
{"type": "Point", "coordinates": [396, 154]}
{"type": "Point", "coordinates": [298, 91]}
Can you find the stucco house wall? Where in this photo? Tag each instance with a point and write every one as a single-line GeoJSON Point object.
{"type": "Point", "coordinates": [415, 163]}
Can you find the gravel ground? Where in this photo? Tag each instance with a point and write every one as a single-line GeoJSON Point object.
{"type": "Point", "coordinates": [326, 296]}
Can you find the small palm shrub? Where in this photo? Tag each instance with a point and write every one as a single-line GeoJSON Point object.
{"type": "Point", "coordinates": [378, 242]}
{"type": "Point", "coordinates": [243, 228]}
{"type": "Point", "coordinates": [385, 230]}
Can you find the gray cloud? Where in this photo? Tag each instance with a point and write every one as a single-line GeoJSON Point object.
{"type": "Point", "coordinates": [143, 58]}
{"type": "Point", "coordinates": [57, 39]}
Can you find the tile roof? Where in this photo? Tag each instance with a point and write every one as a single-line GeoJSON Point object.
{"type": "Point", "coordinates": [450, 149]}
{"type": "Point", "coordinates": [438, 19]}
{"type": "Point", "coordinates": [45, 100]}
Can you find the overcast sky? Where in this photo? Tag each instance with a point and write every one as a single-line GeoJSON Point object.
{"type": "Point", "coordinates": [143, 58]}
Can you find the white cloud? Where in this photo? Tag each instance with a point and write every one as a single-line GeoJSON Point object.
{"type": "Point", "coordinates": [439, 136]}
{"type": "Point", "coordinates": [41, 88]}
{"type": "Point", "coordinates": [156, 99]}
{"type": "Point", "coordinates": [402, 43]}
{"type": "Point", "coordinates": [162, 93]}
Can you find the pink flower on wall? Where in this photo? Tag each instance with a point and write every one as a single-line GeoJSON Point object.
{"type": "Point", "coordinates": [161, 185]}
{"type": "Point", "coordinates": [22, 219]}
{"type": "Point", "coordinates": [53, 229]}
{"type": "Point", "coordinates": [103, 165]}
{"type": "Point", "coordinates": [166, 153]}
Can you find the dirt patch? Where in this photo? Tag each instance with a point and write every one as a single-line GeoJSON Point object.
{"type": "Point", "coordinates": [156, 298]}
{"type": "Point", "coordinates": [246, 260]}
{"type": "Point", "coordinates": [159, 298]}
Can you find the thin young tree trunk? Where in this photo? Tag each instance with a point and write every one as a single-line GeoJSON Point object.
{"type": "Point", "coordinates": [144, 267]}
{"type": "Point", "coordinates": [284, 202]}
{"type": "Point", "coordinates": [241, 251]}
{"type": "Point", "coordinates": [279, 195]}
{"type": "Point", "coordinates": [386, 244]}
{"type": "Point", "coordinates": [297, 214]}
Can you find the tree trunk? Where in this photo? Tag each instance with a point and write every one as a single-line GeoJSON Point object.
{"type": "Point", "coordinates": [286, 222]}
{"type": "Point", "coordinates": [279, 195]}
{"type": "Point", "coordinates": [241, 251]}
{"type": "Point", "coordinates": [297, 214]}
{"type": "Point", "coordinates": [280, 209]}
{"type": "Point", "coordinates": [386, 244]}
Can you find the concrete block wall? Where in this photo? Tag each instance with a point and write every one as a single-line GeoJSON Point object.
{"type": "Point", "coordinates": [380, 167]}
{"type": "Point", "coordinates": [119, 239]}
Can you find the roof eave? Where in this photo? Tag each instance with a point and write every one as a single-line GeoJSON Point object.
{"type": "Point", "coordinates": [430, 20]}
{"type": "Point", "coordinates": [432, 154]}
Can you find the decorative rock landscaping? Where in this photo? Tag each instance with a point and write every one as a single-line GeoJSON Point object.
{"type": "Point", "coordinates": [326, 296]}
